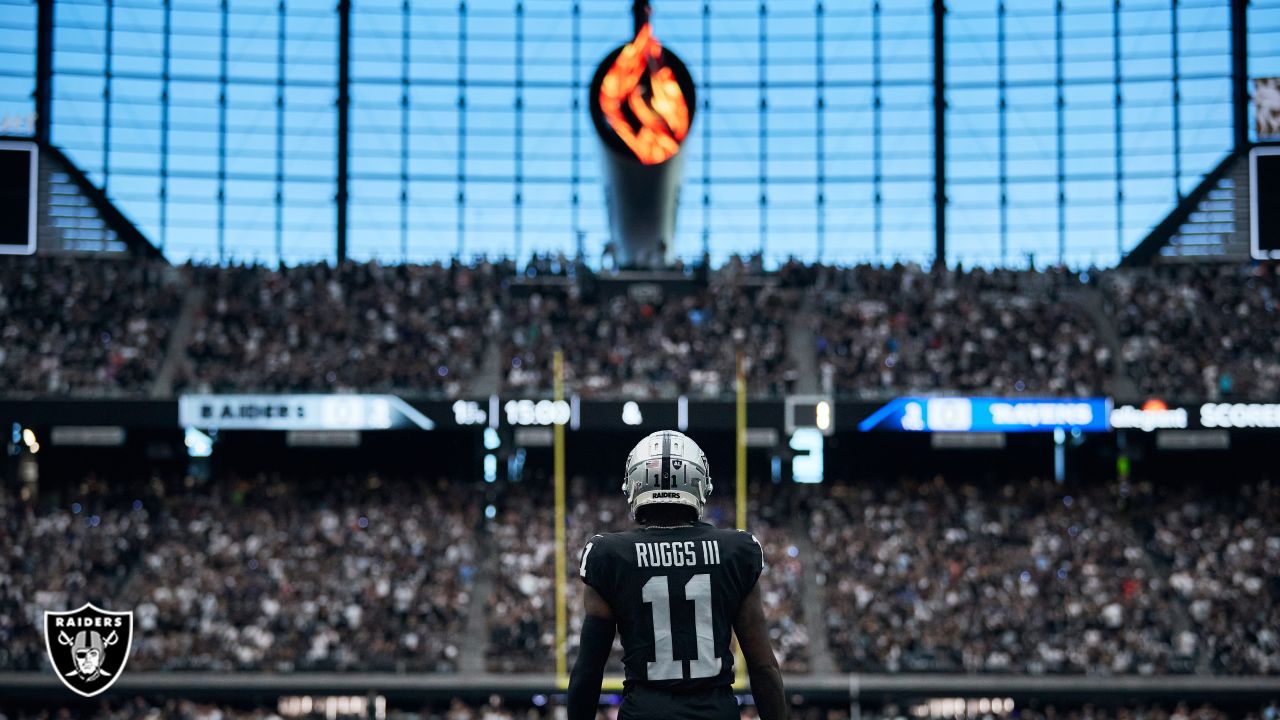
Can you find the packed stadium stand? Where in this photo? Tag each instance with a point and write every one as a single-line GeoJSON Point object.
{"type": "Point", "coordinates": [435, 330]}
{"type": "Point", "coordinates": [313, 328]}
{"type": "Point", "coordinates": [390, 572]}
{"type": "Point", "coordinates": [902, 329]}
{"type": "Point", "coordinates": [1200, 331]}
{"type": "Point", "coordinates": [377, 573]}
{"type": "Point", "coordinates": [623, 346]}
{"type": "Point", "coordinates": [521, 608]}
{"type": "Point", "coordinates": [325, 329]}
{"type": "Point", "coordinates": [1032, 577]}
{"type": "Point", "coordinates": [85, 326]}
{"type": "Point", "coordinates": [252, 573]}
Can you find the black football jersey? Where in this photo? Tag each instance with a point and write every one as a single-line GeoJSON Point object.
{"type": "Point", "coordinates": [674, 592]}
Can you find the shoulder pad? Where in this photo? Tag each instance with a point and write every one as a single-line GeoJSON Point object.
{"type": "Point", "coordinates": [595, 555]}
{"type": "Point", "coordinates": [744, 537]}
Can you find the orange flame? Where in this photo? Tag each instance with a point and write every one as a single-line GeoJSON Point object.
{"type": "Point", "coordinates": [659, 109]}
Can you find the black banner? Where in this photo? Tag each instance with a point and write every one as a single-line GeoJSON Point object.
{"type": "Point", "coordinates": [576, 414]}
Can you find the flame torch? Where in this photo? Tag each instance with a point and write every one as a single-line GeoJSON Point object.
{"type": "Point", "coordinates": [642, 105]}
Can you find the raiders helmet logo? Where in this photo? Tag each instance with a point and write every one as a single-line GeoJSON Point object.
{"type": "Point", "coordinates": [88, 647]}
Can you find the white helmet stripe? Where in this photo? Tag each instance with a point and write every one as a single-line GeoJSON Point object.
{"type": "Point", "coordinates": [670, 462]}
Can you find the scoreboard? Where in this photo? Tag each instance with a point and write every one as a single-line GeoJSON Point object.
{"type": "Point", "coordinates": [1264, 203]}
{"type": "Point", "coordinates": [18, 182]}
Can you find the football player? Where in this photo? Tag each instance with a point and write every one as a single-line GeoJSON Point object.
{"type": "Point", "coordinates": [675, 588]}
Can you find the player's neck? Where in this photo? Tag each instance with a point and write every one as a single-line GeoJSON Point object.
{"type": "Point", "coordinates": [661, 519]}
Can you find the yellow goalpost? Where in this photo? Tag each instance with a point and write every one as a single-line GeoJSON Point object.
{"type": "Point", "coordinates": [614, 683]}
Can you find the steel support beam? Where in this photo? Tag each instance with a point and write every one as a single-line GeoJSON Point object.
{"type": "Point", "coordinates": [1240, 72]}
{"type": "Point", "coordinates": [706, 135]}
{"type": "Point", "coordinates": [1118, 122]}
{"type": "Point", "coordinates": [224, 33]}
{"type": "Point", "coordinates": [762, 139]}
{"type": "Point", "coordinates": [820, 111]}
{"type": "Point", "coordinates": [344, 120]}
{"type": "Point", "coordinates": [44, 70]}
{"type": "Point", "coordinates": [939, 133]}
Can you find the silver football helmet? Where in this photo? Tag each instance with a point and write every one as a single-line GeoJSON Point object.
{"type": "Point", "coordinates": [667, 467]}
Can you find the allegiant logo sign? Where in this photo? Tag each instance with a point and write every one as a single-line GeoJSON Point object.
{"type": "Point", "coordinates": [1153, 415]}
{"type": "Point", "coordinates": [1156, 415]}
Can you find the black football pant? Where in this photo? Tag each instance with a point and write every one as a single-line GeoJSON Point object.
{"type": "Point", "coordinates": [642, 703]}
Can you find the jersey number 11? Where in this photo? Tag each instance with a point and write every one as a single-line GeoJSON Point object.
{"type": "Point", "coordinates": [657, 592]}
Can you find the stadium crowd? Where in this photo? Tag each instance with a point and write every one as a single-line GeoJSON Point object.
{"type": "Point", "coordinates": [88, 326]}
{"type": "Point", "coordinates": [57, 556]}
{"type": "Point", "coordinates": [359, 326]}
{"type": "Point", "coordinates": [782, 585]}
{"type": "Point", "coordinates": [1202, 331]}
{"type": "Point", "coordinates": [102, 328]}
{"type": "Point", "coordinates": [378, 573]}
{"type": "Point", "coordinates": [249, 573]}
{"type": "Point", "coordinates": [1221, 552]}
{"type": "Point", "coordinates": [521, 607]}
{"type": "Point", "coordinates": [1033, 577]}
{"type": "Point", "coordinates": [639, 346]}
{"type": "Point", "coordinates": [903, 329]}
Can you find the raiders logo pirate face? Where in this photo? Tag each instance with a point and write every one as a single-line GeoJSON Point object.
{"type": "Point", "coordinates": [88, 647]}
